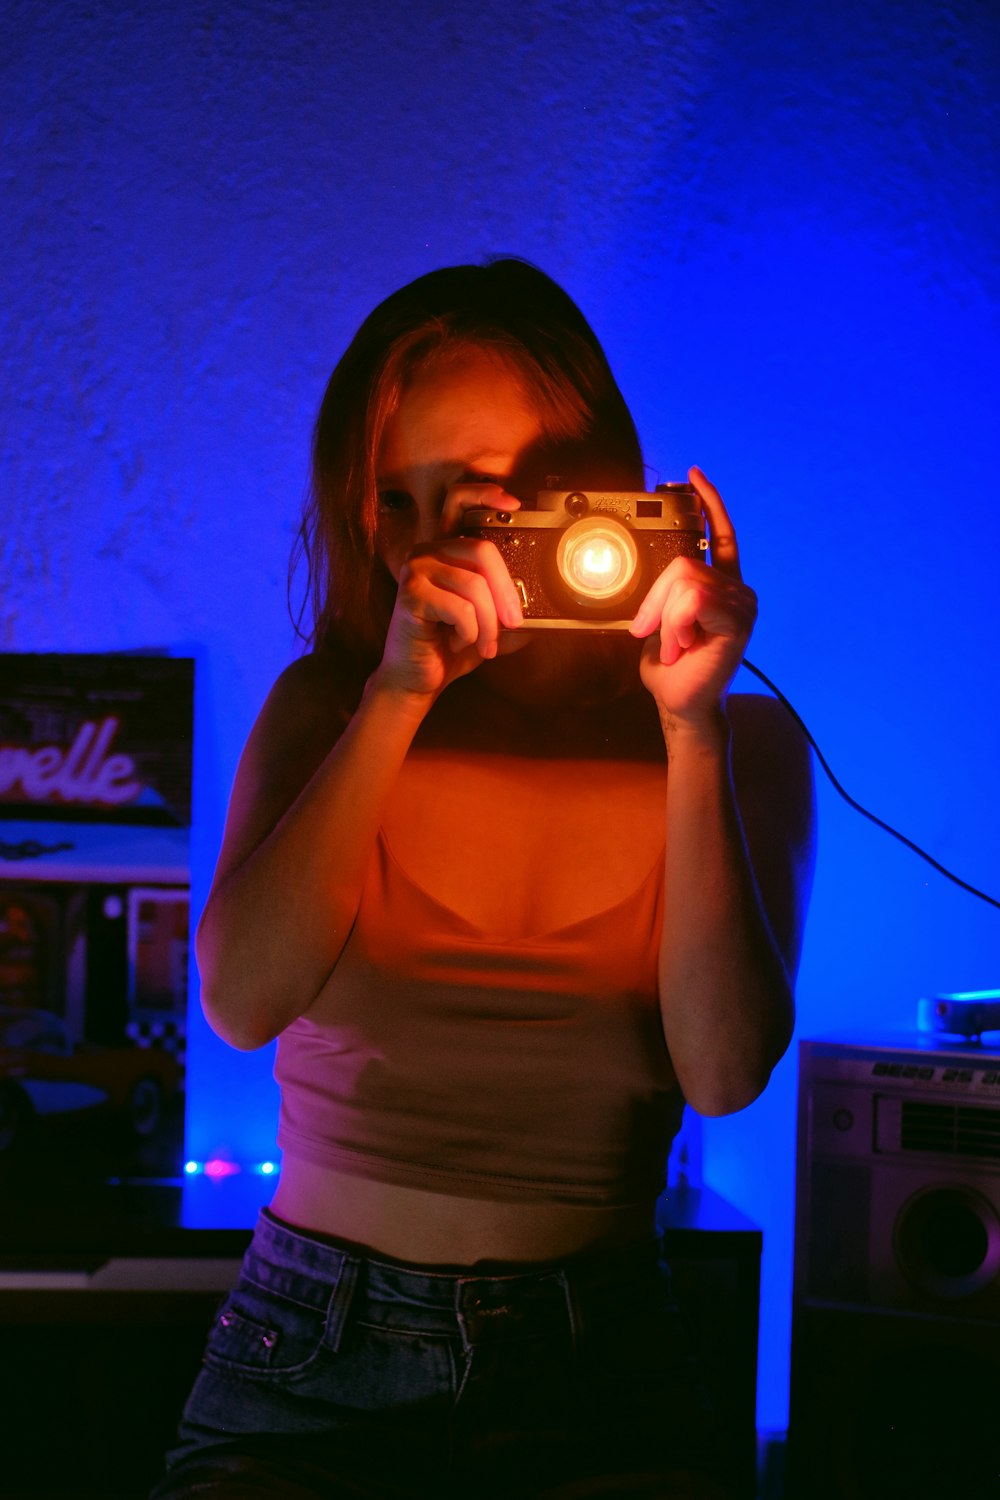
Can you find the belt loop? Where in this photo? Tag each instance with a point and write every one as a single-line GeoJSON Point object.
{"type": "Point", "coordinates": [340, 1301]}
{"type": "Point", "coordinates": [574, 1312]}
{"type": "Point", "coordinates": [461, 1316]}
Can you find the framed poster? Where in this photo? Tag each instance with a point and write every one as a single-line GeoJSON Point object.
{"type": "Point", "coordinates": [95, 814]}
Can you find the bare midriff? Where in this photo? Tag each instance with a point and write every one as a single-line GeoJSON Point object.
{"type": "Point", "coordinates": [438, 1229]}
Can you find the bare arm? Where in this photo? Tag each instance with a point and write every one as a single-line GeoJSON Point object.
{"type": "Point", "coordinates": [310, 793]}
{"type": "Point", "coordinates": [736, 868]}
{"type": "Point", "coordinates": [302, 821]}
{"type": "Point", "coordinates": [737, 876]}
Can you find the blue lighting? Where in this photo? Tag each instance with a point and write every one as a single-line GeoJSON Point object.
{"type": "Point", "coordinates": [967, 1013]}
{"type": "Point", "coordinates": [792, 263]}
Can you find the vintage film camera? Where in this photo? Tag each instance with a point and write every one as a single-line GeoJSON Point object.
{"type": "Point", "coordinates": [584, 559]}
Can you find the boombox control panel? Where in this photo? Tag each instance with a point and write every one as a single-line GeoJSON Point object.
{"type": "Point", "coordinates": [951, 1073]}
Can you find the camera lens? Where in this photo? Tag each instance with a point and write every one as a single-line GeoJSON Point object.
{"type": "Point", "coordinates": [597, 560]}
{"type": "Point", "coordinates": [596, 564]}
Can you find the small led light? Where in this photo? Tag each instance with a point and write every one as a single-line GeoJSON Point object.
{"type": "Point", "coordinates": [267, 1168]}
{"type": "Point", "coordinates": [192, 1168]}
{"type": "Point", "coordinates": [218, 1167]}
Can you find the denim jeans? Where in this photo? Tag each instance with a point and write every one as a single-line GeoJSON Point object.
{"type": "Point", "coordinates": [331, 1373]}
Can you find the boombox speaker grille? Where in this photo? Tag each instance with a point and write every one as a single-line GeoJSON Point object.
{"type": "Point", "coordinates": [954, 1129]}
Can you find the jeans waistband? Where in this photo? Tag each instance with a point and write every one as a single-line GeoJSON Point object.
{"type": "Point", "coordinates": [346, 1281]}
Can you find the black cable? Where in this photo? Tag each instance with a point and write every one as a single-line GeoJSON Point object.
{"type": "Point", "coordinates": [886, 827]}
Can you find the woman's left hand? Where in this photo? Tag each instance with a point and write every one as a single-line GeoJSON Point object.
{"type": "Point", "coordinates": [696, 621]}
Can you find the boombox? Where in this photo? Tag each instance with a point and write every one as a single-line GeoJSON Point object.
{"type": "Point", "coordinates": [896, 1304]}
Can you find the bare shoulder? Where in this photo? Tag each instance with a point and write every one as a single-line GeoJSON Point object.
{"type": "Point", "coordinates": [764, 732]}
{"type": "Point", "coordinates": [309, 691]}
{"type": "Point", "coordinates": [772, 761]}
{"type": "Point", "coordinates": [303, 716]}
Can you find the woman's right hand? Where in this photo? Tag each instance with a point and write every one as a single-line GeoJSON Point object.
{"type": "Point", "coordinates": [454, 596]}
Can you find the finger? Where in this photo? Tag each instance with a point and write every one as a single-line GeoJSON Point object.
{"type": "Point", "coordinates": [650, 611]}
{"type": "Point", "coordinates": [682, 616]}
{"type": "Point", "coordinates": [690, 603]}
{"type": "Point", "coordinates": [457, 597]}
{"type": "Point", "coordinates": [464, 497]}
{"type": "Point", "coordinates": [721, 533]}
{"type": "Point", "coordinates": [482, 557]}
{"type": "Point", "coordinates": [457, 616]}
{"type": "Point", "coordinates": [674, 607]}
{"type": "Point", "coordinates": [727, 612]}
{"type": "Point", "coordinates": [666, 648]}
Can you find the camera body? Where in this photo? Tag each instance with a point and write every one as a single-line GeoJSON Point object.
{"type": "Point", "coordinates": [584, 559]}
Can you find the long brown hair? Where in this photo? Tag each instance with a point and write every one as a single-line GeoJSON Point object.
{"type": "Point", "coordinates": [507, 306]}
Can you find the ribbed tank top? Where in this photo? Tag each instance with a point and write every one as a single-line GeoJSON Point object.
{"type": "Point", "coordinates": [445, 1058]}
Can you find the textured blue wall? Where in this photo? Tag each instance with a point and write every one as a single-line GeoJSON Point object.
{"type": "Point", "coordinates": [782, 219]}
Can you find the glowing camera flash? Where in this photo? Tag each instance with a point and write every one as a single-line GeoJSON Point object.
{"type": "Point", "coordinates": [597, 558]}
{"type": "Point", "coordinates": [597, 564]}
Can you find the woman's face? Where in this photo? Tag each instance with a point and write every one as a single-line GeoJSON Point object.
{"type": "Point", "coordinates": [465, 418]}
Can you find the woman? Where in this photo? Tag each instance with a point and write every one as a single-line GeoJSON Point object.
{"type": "Point", "coordinates": [494, 892]}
